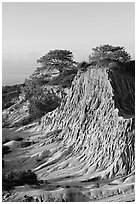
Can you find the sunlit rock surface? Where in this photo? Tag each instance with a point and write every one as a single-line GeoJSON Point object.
{"type": "Point", "coordinates": [97, 140]}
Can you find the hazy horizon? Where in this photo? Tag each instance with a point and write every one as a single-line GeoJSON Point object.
{"type": "Point", "coordinates": [30, 30]}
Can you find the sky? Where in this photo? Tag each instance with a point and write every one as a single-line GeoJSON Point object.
{"type": "Point", "coordinates": [30, 30]}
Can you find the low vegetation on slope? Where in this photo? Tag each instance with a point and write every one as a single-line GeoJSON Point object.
{"type": "Point", "coordinates": [43, 91]}
{"type": "Point", "coordinates": [10, 95]}
{"type": "Point", "coordinates": [18, 178]}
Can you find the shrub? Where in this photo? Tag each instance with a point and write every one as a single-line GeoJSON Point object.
{"type": "Point", "coordinates": [27, 120]}
{"type": "Point", "coordinates": [83, 66]}
{"type": "Point", "coordinates": [65, 79]}
{"type": "Point", "coordinates": [25, 144]}
{"type": "Point", "coordinates": [15, 178]}
{"type": "Point", "coordinates": [28, 198]}
{"type": "Point", "coordinates": [42, 103]}
{"type": "Point", "coordinates": [19, 139]}
{"type": "Point", "coordinates": [9, 95]}
{"type": "Point", "coordinates": [26, 177]}
{"type": "Point", "coordinates": [57, 59]}
{"type": "Point", "coordinates": [5, 150]}
{"type": "Point", "coordinates": [6, 184]}
{"type": "Point", "coordinates": [105, 54]}
{"type": "Point", "coordinates": [66, 82]}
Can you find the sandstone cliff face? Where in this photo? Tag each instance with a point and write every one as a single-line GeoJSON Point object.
{"type": "Point", "coordinates": [95, 129]}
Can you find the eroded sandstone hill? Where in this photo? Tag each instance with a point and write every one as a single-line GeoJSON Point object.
{"type": "Point", "coordinates": [84, 149]}
{"type": "Point", "coordinates": [95, 127]}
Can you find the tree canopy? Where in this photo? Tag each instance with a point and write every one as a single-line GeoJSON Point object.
{"type": "Point", "coordinates": [108, 53]}
{"type": "Point", "coordinates": [57, 59]}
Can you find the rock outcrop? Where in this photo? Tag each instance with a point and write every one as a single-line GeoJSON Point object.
{"type": "Point", "coordinates": [97, 129]}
